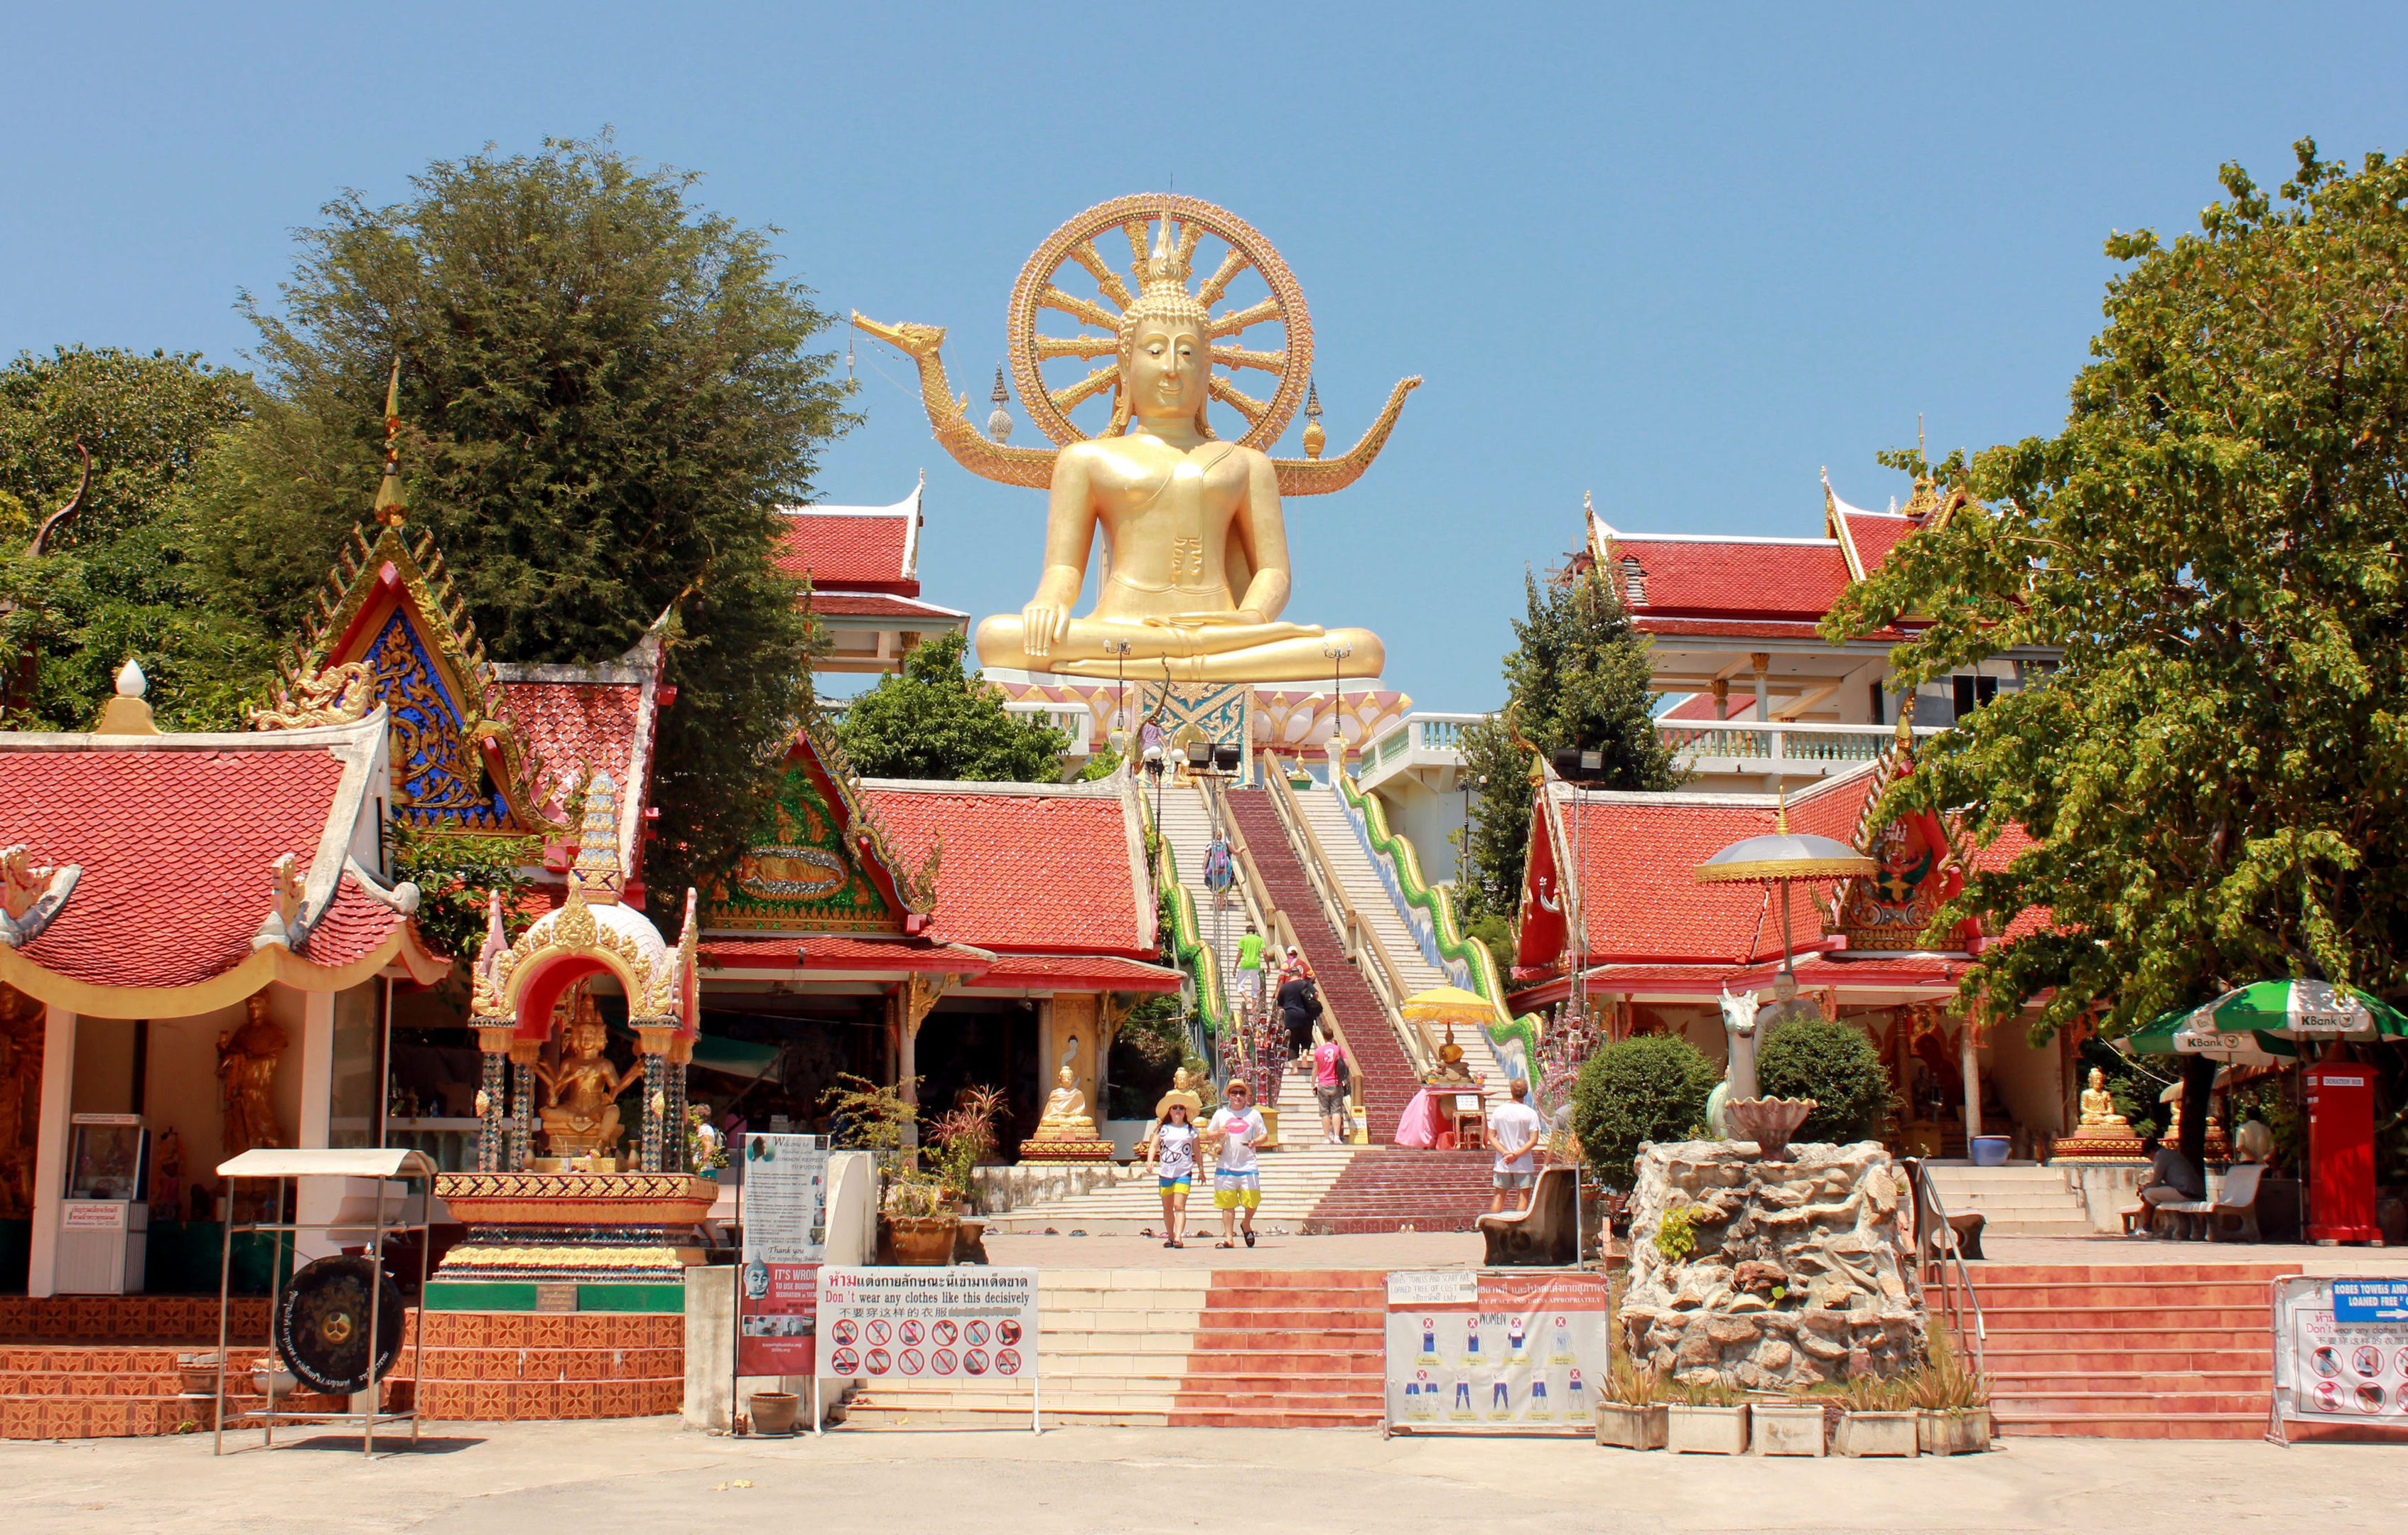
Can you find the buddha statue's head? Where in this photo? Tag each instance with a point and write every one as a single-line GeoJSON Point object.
{"type": "Point", "coordinates": [1166, 345]}
{"type": "Point", "coordinates": [2098, 1079]}
{"type": "Point", "coordinates": [1064, 1077]}
{"type": "Point", "coordinates": [1178, 1079]}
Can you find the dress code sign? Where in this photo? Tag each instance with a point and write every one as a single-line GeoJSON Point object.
{"type": "Point", "coordinates": [1519, 1351]}
{"type": "Point", "coordinates": [2341, 1350]}
{"type": "Point", "coordinates": [929, 1324]}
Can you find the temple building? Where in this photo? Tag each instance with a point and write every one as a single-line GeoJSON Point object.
{"type": "Point", "coordinates": [863, 564]}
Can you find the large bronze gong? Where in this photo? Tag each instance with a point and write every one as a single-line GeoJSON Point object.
{"type": "Point", "coordinates": [322, 1327]}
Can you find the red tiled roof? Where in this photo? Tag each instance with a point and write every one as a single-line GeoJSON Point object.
{"type": "Point", "coordinates": [862, 550]}
{"type": "Point", "coordinates": [576, 724]}
{"type": "Point", "coordinates": [1097, 972]}
{"type": "Point", "coordinates": [1021, 871]}
{"type": "Point", "coordinates": [1715, 577]}
{"type": "Point", "coordinates": [176, 847]}
{"type": "Point", "coordinates": [1875, 533]}
{"type": "Point", "coordinates": [832, 952]}
{"type": "Point", "coordinates": [876, 605]}
{"type": "Point", "coordinates": [1740, 629]}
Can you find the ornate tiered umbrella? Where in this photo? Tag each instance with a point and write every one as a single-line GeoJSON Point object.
{"type": "Point", "coordinates": [1780, 859]}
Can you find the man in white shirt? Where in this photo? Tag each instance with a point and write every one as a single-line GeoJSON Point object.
{"type": "Point", "coordinates": [1234, 1130]}
{"type": "Point", "coordinates": [1513, 1130]}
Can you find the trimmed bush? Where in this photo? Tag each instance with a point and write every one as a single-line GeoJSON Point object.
{"type": "Point", "coordinates": [1836, 1066]}
{"type": "Point", "coordinates": [1650, 1088]}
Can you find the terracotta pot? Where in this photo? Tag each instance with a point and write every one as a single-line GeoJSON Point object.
{"type": "Point", "coordinates": [969, 1241]}
{"type": "Point", "coordinates": [922, 1241]}
{"type": "Point", "coordinates": [773, 1411]}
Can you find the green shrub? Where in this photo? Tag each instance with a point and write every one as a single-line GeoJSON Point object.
{"type": "Point", "coordinates": [1836, 1066]}
{"type": "Point", "coordinates": [1650, 1088]}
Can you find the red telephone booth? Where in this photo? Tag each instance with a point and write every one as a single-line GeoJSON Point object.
{"type": "Point", "coordinates": [2340, 1153]}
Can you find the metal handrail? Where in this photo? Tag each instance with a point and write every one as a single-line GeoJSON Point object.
{"type": "Point", "coordinates": [1355, 934]}
{"type": "Point", "coordinates": [1281, 931]}
{"type": "Point", "coordinates": [1936, 1246]}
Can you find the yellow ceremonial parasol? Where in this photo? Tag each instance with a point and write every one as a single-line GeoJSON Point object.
{"type": "Point", "coordinates": [1779, 858]}
{"type": "Point", "coordinates": [1445, 1007]}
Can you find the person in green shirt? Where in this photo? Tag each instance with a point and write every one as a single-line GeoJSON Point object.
{"type": "Point", "coordinates": [1249, 968]}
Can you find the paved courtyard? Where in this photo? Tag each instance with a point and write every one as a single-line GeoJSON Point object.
{"type": "Point", "coordinates": [650, 1475]}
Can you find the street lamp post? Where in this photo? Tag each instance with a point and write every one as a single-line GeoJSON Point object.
{"type": "Point", "coordinates": [1120, 649]}
{"type": "Point", "coordinates": [1338, 653]}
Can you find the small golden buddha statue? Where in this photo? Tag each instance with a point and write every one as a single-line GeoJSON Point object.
{"type": "Point", "coordinates": [1198, 569]}
{"type": "Point", "coordinates": [580, 1118]}
{"type": "Point", "coordinates": [1180, 1092]}
{"type": "Point", "coordinates": [1066, 1113]}
{"type": "Point", "coordinates": [1450, 1071]}
{"type": "Point", "coordinates": [2100, 1120]}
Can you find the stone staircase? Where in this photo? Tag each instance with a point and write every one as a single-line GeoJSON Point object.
{"type": "Point", "coordinates": [92, 1367]}
{"type": "Point", "coordinates": [1152, 1348]}
{"type": "Point", "coordinates": [1389, 1083]}
{"type": "Point", "coordinates": [2021, 1199]}
{"type": "Point", "coordinates": [1296, 1178]}
{"type": "Point", "coordinates": [1325, 811]}
{"type": "Point", "coordinates": [2129, 1351]}
{"type": "Point", "coordinates": [1185, 822]}
{"type": "Point", "coordinates": [1396, 1188]}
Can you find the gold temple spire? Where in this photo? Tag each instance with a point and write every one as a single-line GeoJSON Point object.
{"type": "Point", "coordinates": [390, 508]}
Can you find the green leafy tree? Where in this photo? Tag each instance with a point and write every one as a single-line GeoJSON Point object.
{"type": "Point", "coordinates": [1652, 1087]}
{"type": "Point", "coordinates": [1836, 1066]}
{"type": "Point", "coordinates": [607, 392]}
{"type": "Point", "coordinates": [938, 721]}
{"type": "Point", "coordinates": [117, 578]}
{"type": "Point", "coordinates": [2216, 779]}
{"type": "Point", "coordinates": [1578, 678]}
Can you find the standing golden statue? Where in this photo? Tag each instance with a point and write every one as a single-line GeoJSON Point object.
{"type": "Point", "coordinates": [1195, 566]}
{"type": "Point", "coordinates": [247, 1061]}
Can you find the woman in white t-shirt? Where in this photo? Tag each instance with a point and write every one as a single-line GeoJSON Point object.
{"type": "Point", "coordinates": [1237, 1128]}
{"type": "Point", "coordinates": [1170, 1152]}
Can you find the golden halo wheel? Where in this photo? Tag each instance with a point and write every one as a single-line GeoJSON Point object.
{"type": "Point", "coordinates": [1234, 247]}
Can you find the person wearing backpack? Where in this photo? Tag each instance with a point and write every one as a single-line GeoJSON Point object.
{"type": "Point", "coordinates": [1330, 1075]}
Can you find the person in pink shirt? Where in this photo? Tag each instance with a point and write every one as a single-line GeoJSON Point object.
{"type": "Point", "coordinates": [1329, 1075]}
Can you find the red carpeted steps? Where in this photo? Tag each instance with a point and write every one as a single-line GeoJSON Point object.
{"type": "Point", "coordinates": [1392, 1187]}
{"type": "Point", "coordinates": [2129, 1350]}
{"type": "Point", "coordinates": [1388, 1081]}
{"type": "Point", "coordinates": [1286, 1349]}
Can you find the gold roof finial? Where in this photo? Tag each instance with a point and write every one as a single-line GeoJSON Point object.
{"type": "Point", "coordinates": [1781, 810]}
{"type": "Point", "coordinates": [390, 508]}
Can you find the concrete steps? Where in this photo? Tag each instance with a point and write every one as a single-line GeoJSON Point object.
{"type": "Point", "coordinates": [1395, 1188]}
{"type": "Point", "coordinates": [2021, 1199]}
{"type": "Point", "coordinates": [2129, 1350]}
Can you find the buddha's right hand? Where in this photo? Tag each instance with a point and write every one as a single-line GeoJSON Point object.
{"type": "Point", "coordinates": [1041, 625]}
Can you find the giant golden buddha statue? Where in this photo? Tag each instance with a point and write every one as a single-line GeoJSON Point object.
{"type": "Point", "coordinates": [1196, 571]}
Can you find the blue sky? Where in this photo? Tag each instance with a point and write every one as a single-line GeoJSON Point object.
{"type": "Point", "coordinates": [1679, 257]}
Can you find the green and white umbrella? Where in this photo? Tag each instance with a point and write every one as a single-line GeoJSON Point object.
{"type": "Point", "coordinates": [2262, 1025]}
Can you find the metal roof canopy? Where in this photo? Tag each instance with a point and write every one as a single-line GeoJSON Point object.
{"type": "Point", "coordinates": [329, 1162]}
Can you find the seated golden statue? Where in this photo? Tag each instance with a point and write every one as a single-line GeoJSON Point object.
{"type": "Point", "coordinates": [580, 1118]}
{"type": "Point", "coordinates": [1180, 1092]}
{"type": "Point", "coordinates": [2100, 1120]}
{"type": "Point", "coordinates": [1066, 1113]}
{"type": "Point", "coordinates": [1450, 1071]}
{"type": "Point", "coordinates": [1198, 568]}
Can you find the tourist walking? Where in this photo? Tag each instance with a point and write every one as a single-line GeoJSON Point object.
{"type": "Point", "coordinates": [1235, 1129]}
{"type": "Point", "coordinates": [1299, 1003]}
{"type": "Point", "coordinates": [1513, 1131]}
{"type": "Point", "coordinates": [1329, 1075]}
{"type": "Point", "coordinates": [1170, 1152]}
{"type": "Point", "coordinates": [1250, 970]}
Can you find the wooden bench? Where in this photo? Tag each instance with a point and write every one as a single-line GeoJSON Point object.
{"type": "Point", "coordinates": [1544, 1235]}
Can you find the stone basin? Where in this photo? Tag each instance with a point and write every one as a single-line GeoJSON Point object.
{"type": "Point", "coordinates": [1769, 1122]}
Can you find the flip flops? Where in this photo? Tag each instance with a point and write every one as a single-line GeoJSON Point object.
{"type": "Point", "coordinates": [1249, 1239]}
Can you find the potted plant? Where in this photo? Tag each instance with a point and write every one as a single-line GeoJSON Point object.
{"type": "Point", "coordinates": [1789, 1428]}
{"type": "Point", "coordinates": [1951, 1404]}
{"type": "Point", "coordinates": [963, 1137]}
{"type": "Point", "coordinates": [914, 1222]}
{"type": "Point", "coordinates": [1632, 1416]}
{"type": "Point", "coordinates": [1709, 1418]}
{"type": "Point", "coordinates": [1881, 1420]}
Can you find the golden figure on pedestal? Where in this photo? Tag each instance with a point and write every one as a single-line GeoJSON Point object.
{"type": "Point", "coordinates": [580, 1117]}
{"type": "Point", "coordinates": [1195, 566]}
{"type": "Point", "coordinates": [247, 1061]}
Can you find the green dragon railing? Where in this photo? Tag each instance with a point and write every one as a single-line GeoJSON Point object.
{"type": "Point", "coordinates": [1470, 953]}
{"type": "Point", "coordinates": [1187, 944]}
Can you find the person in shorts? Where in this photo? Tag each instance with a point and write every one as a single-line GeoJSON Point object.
{"type": "Point", "coordinates": [1513, 1130]}
{"type": "Point", "coordinates": [1237, 1127]}
{"type": "Point", "coordinates": [1329, 1085]}
{"type": "Point", "coordinates": [1250, 970]}
{"type": "Point", "coordinates": [1171, 1151]}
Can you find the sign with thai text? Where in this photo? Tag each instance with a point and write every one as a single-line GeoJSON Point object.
{"type": "Point", "coordinates": [959, 1324]}
{"type": "Point", "coordinates": [1514, 1351]}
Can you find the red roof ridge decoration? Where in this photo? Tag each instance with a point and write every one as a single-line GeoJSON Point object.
{"type": "Point", "coordinates": [915, 890]}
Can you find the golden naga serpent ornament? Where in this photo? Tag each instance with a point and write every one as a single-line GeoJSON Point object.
{"type": "Point", "coordinates": [1039, 290]}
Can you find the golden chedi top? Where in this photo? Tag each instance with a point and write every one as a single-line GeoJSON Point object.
{"type": "Point", "coordinates": [1195, 568]}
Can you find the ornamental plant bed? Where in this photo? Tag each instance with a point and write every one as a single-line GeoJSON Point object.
{"type": "Point", "coordinates": [1786, 1428]}
{"type": "Point", "coordinates": [1963, 1431]}
{"type": "Point", "coordinates": [1705, 1430]}
{"type": "Point", "coordinates": [1879, 1433]}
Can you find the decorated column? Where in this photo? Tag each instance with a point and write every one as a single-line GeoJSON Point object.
{"type": "Point", "coordinates": [681, 1057]}
{"type": "Point", "coordinates": [492, 1132]}
{"type": "Point", "coordinates": [653, 1035]}
{"type": "Point", "coordinates": [523, 1104]}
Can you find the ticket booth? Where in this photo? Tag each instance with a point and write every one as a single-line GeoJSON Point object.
{"type": "Point", "coordinates": [105, 1220]}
